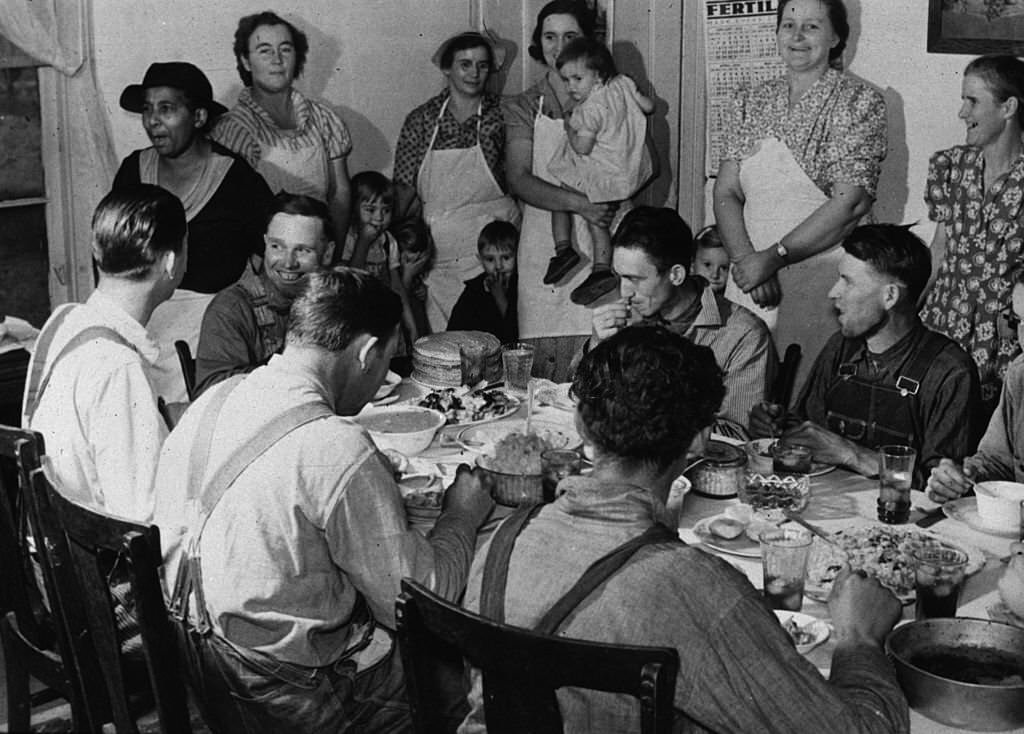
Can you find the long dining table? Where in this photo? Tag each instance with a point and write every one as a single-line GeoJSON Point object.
{"type": "Point", "coordinates": [838, 499]}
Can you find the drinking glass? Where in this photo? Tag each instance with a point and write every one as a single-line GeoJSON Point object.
{"type": "Point", "coordinates": [791, 458]}
{"type": "Point", "coordinates": [895, 475]}
{"type": "Point", "coordinates": [938, 579]}
{"type": "Point", "coordinates": [517, 359]}
{"type": "Point", "coordinates": [556, 465]}
{"type": "Point", "coordinates": [784, 553]}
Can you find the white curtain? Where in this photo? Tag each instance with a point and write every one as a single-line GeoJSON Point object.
{"type": "Point", "coordinates": [54, 32]}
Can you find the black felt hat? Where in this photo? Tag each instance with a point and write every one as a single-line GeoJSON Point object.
{"type": "Point", "coordinates": [178, 75]}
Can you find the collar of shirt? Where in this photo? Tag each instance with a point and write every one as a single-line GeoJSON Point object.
{"type": "Point", "coordinates": [617, 502]}
{"type": "Point", "coordinates": [874, 365]}
{"type": "Point", "coordinates": [702, 313]}
{"type": "Point", "coordinates": [292, 380]}
{"type": "Point", "coordinates": [299, 106]}
{"type": "Point", "coordinates": [118, 319]}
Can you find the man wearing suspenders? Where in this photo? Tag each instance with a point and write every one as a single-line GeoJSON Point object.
{"type": "Point", "coordinates": [599, 564]}
{"type": "Point", "coordinates": [245, 323]}
{"type": "Point", "coordinates": [883, 378]}
{"type": "Point", "coordinates": [89, 389]}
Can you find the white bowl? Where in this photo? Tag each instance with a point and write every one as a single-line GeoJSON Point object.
{"type": "Point", "coordinates": [405, 428]}
{"type": "Point", "coordinates": [999, 504]}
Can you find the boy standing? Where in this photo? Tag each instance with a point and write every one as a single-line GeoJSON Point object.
{"type": "Point", "coordinates": [489, 301]}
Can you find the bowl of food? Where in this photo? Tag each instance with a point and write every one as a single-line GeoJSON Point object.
{"type": "Point", "coordinates": [965, 673]}
{"type": "Point", "coordinates": [999, 504]}
{"type": "Point", "coordinates": [408, 429]}
{"type": "Point", "coordinates": [514, 469]}
{"type": "Point", "coordinates": [776, 492]}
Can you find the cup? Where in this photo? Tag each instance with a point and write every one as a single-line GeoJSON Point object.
{"type": "Point", "coordinates": [471, 359]}
{"type": "Point", "coordinates": [895, 475]}
{"type": "Point", "coordinates": [517, 359]}
{"type": "Point", "coordinates": [791, 458]}
{"type": "Point", "coordinates": [556, 465]}
{"type": "Point", "coordinates": [938, 579]}
{"type": "Point", "coordinates": [784, 553]}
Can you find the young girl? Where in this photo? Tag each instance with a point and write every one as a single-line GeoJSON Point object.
{"type": "Point", "coordinates": [416, 250]}
{"type": "Point", "coordinates": [711, 261]}
{"type": "Point", "coordinates": [370, 246]}
{"type": "Point", "coordinates": [605, 156]}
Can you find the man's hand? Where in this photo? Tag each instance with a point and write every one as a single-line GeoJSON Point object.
{"type": "Point", "coordinates": [863, 611]}
{"type": "Point", "coordinates": [768, 294]}
{"type": "Point", "coordinates": [949, 481]}
{"type": "Point", "coordinates": [766, 419]}
{"type": "Point", "coordinates": [610, 318]}
{"type": "Point", "coordinates": [468, 497]}
{"type": "Point", "coordinates": [830, 448]}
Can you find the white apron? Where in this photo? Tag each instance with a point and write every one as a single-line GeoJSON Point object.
{"type": "Point", "coordinates": [460, 197]}
{"type": "Point", "coordinates": [298, 171]}
{"type": "Point", "coordinates": [545, 310]}
{"type": "Point", "coordinates": [779, 196]}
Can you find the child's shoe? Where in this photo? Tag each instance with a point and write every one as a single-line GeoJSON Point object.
{"type": "Point", "coordinates": [596, 285]}
{"type": "Point", "coordinates": [560, 265]}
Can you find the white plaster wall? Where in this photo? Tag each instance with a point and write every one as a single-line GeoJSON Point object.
{"type": "Point", "coordinates": [922, 92]}
{"type": "Point", "coordinates": [370, 59]}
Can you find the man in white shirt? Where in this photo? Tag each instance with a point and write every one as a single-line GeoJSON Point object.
{"type": "Point", "coordinates": [89, 391]}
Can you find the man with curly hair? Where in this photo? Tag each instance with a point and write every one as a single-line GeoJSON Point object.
{"type": "Point", "coordinates": [643, 394]}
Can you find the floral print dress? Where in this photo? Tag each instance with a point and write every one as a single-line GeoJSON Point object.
{"type": "Point", "coordinates": [984, 231]}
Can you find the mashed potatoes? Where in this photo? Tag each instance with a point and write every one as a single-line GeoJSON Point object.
{"type": "Point", "coordinates": [518, 453]}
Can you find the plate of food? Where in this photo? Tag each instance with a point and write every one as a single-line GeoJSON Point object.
{"type": "Point", "coordinates": [759, 458]}
{"type": "Point", "coordinates": [483, 437]}
{"type": "Point", "coordinates": [805, 631]}
{"type": "Point", "coordinates": [883, 551]}
{"type": "Point", "coordinates": [466, 408]}
{"type": "Point", "coordinates": [735, 531]}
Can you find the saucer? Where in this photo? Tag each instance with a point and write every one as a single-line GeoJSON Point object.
{"type": "Point", "coordinates": [965, 510]}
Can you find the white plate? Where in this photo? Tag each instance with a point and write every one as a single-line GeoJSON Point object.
{"type": "Point", "coordinates": [965, 510]}
{"type": "Point", "coordinates": [391, 381]}
{"type": "Point", "coordinates": [739, 546]}
{"type": "Point", "coordinates": [757, 461]}
{"type": "Point", "coordinates": [819, 590]}
{"type": "Point", "coordinates": [510, 408]}
{"type": "Point", "coordinates": [483, 437]}
{"type": "Point", "coordinates": [816, 627]}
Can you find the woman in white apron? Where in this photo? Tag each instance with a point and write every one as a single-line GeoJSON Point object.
{"type": "Point", "coordinates": [535, 130]}
{"type": "Point", "coordinates": [799, 171]}
{"type": "Point", "coordinates": [299, 145]}
{"type": "Point", "coordinates": [451, 149]}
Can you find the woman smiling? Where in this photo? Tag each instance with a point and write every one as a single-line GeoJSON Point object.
{"type": "Point", "coordinates": [974, 196]}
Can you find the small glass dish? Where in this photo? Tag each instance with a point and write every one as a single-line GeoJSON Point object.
{"type": "Point", "coordinates": [775, 492]}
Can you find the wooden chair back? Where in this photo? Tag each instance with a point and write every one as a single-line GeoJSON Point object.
{"type": "Point", "coordinates": [83, 550]}
{"type": "Point", "coordinates": [522, 670]}
{"type": "Point", "coordinates": [26, 629]}
{"type": "Point", "coordinates": [188, 367]}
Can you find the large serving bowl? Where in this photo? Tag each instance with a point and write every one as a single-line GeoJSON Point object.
{"type": "Point", "coordinates": [511, 489]}
{"type": "Point", "coordinates": [999, 504]}
{"type": "Point", "coordinates": [408, 429]}
{"type": "Point", "coordinates": [960, 646]}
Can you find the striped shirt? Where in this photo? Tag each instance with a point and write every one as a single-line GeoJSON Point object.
{"type": "Point", "coordinates": [247, 128]}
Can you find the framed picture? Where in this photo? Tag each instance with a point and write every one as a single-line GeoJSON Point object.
{"type": "Point", "coordinates": [976, 26]}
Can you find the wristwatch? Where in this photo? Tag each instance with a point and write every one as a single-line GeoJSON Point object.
{"type": "Point", "coordinates": [781, 251]}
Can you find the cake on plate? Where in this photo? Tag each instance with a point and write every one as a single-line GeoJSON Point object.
{"type": "Point", "coordinates": [436, 361]}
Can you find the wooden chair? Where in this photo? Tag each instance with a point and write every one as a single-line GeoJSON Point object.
{"type": "Point", "coordinates": [785, 379]}
{"type": "Point", "coordinates": [26, 629]}
{"type": "Point", "coordinates": [188, 367]}
{"type": "Point", "coordinates": [521, 669]}
{"type": "Point", "coordinates": [81, 546]}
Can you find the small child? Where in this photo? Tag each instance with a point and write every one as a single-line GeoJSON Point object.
{"type": "Point", "coordinates": [489, 301]}
{"type": "Point", "coordinates": [605, 156]}
{"type": "Point", "coordinates": [711, 261]}
{"type": "Point", "coordinates": [370, 246]}
{"type": "Point", "coordinates": [416, 248]}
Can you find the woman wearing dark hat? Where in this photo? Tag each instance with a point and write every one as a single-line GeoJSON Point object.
{"type": "Point", "coordinates": [451, 149]}
{"type": "Point", "coordinates": [226, 202]}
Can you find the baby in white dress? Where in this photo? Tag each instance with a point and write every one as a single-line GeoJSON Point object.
{"type": "Point", "coordinates": [605, 156]}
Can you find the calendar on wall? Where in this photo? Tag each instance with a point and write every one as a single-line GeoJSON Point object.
{"type": "Point", "coordinates": [739, 46]}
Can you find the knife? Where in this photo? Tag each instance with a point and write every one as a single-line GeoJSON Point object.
{"type": "Point", "coordinates": [813, 528]}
